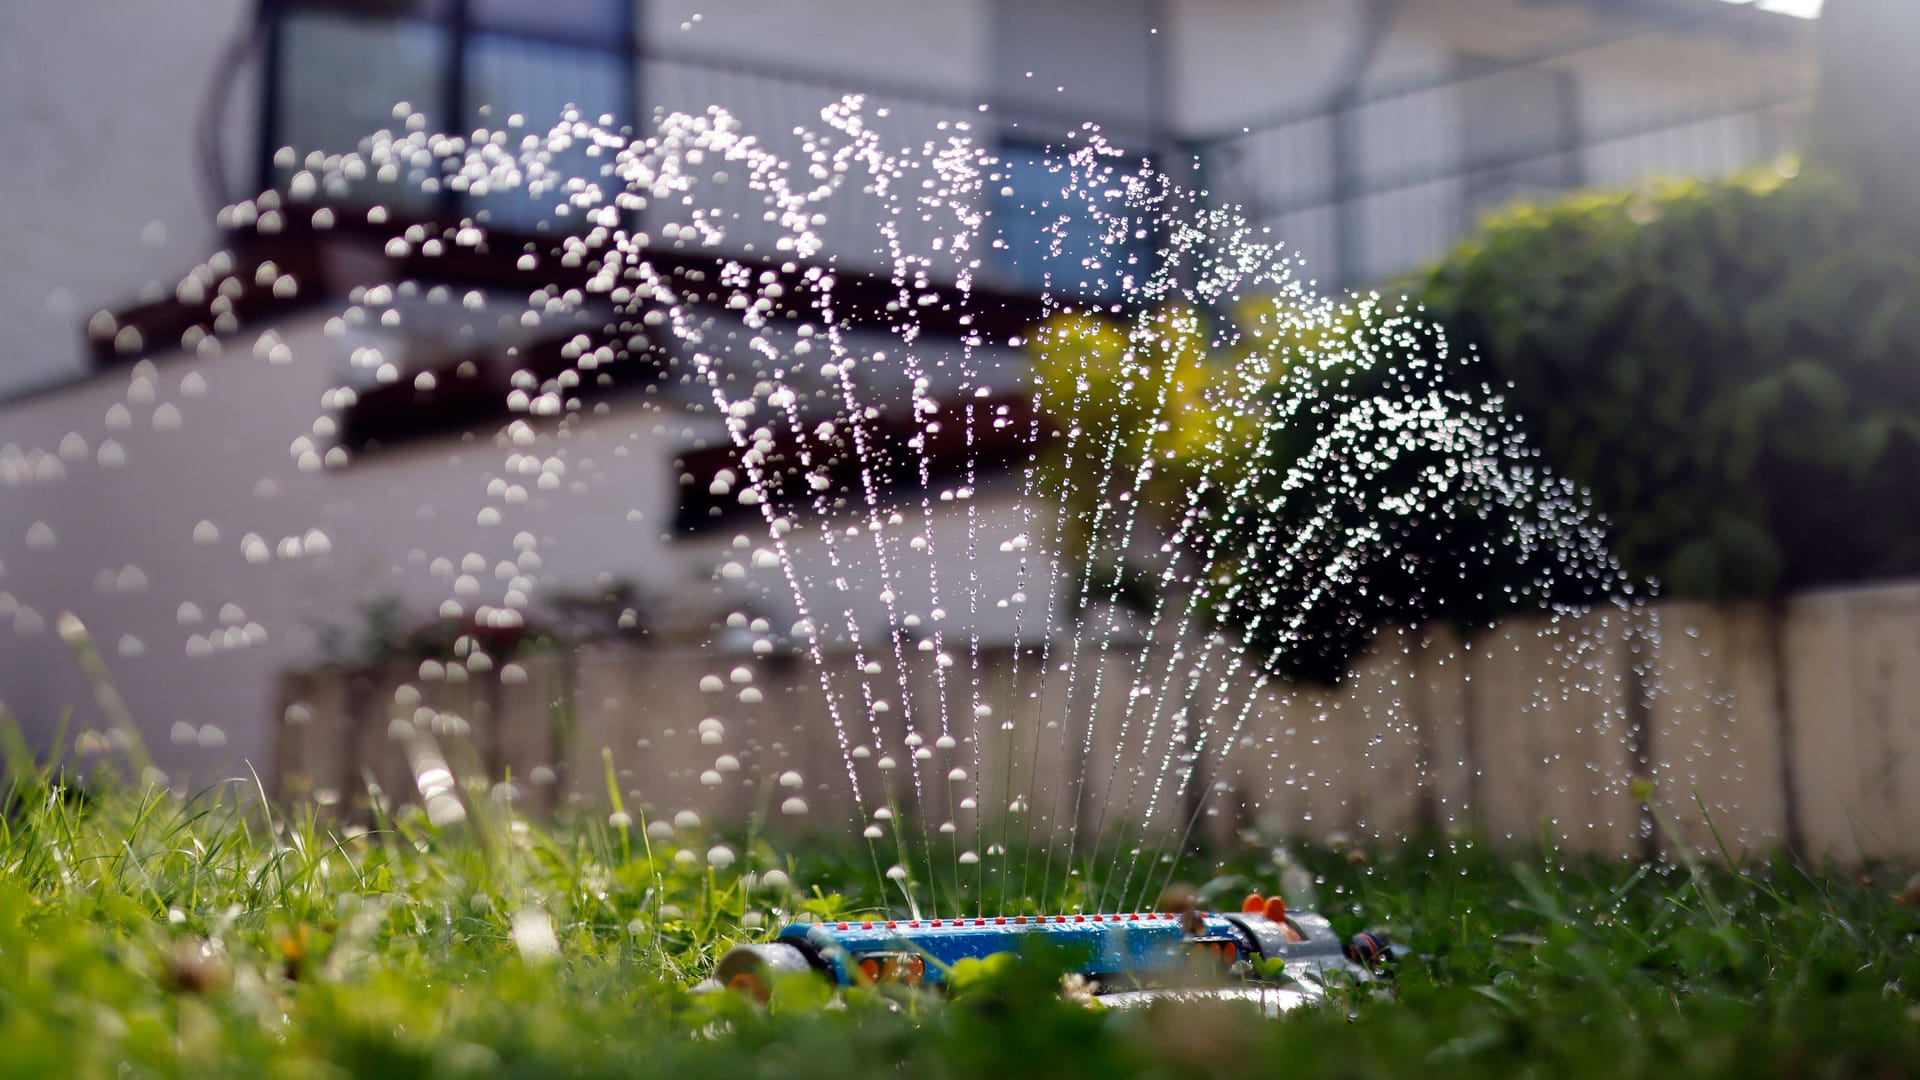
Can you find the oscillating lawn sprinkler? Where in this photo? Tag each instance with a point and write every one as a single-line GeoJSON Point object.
{"type": "Point", "coordinates": [1263, 953]}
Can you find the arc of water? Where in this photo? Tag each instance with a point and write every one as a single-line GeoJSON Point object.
{"type": "Point", "coordinates": [1244, 394]}
{"type": "Point", "coordinates": [1155, 331]}
{"type": "Point", "coordinates": [1463, 431]}
{"type": "Point", "coordinates": [766, 168]}
{"type": "Point", "coordinates": [957, 170]}
{"type": "Point", "coordinates": [1322, 551]}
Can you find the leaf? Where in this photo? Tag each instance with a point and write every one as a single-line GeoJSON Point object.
{"type": "Point", "coordinates": [1694, 570]}
{"type": "Point", "coordinates": [1880, 330]}
{"type": "Point", "coordinates": [1507, 1004]}
{"type": "Point", "coordinates": [1870, 440]}
{"type": "Point", "coordinates": [1817, 382]}
{"type": "Point", "coordinates": [1756, 402]}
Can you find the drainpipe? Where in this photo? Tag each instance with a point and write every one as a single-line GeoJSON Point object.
{"type": "Point", "coordinates": [1776, 624]}
{"type": "Point", "coordinates": [1172, 150]}
{"type": "Point", "coordinates": [1377, 20]}
{"type": "Point", "coordinates": [1639, 687]}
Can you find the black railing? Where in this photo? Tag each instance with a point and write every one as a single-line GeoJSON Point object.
{"type": "Point", "coordinates": [1384, 179]}
{"type": "Point", "coordinates": [336, 67]}
{"type": "Point", "coordinates": [1368, 186]}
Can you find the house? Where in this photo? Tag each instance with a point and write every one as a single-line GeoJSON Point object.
{"type": "Point", "coordinates": [218, 453]}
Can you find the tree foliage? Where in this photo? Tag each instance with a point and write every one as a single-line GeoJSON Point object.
{"type": "Point", "coordinates": [1322, 469]}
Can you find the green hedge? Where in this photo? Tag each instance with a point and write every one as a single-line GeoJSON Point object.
{"type": "Point", "coordinates": [1339, 473]}
{"type": "Point", "coordinates": [1729, 370]}
{"type": "Point", "coordinates": [1732, 369]}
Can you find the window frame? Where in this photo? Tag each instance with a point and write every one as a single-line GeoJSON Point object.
{"type": "Point", "coordinates": [453, 20]}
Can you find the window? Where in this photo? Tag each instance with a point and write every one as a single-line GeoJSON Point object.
{"type": "Point", "coordinates": [539, 80]}
{"type": "Point", "coordinates": [341, 66]}
{"type": "Point", "coordinates": [340, 76]}
{"type": "Point", "coordinates": [1068, 229]}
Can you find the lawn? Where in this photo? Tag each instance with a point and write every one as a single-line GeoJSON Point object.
{"type": "Point", "coordinates": [168, 935]}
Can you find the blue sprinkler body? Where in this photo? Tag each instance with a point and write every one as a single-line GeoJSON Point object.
{"type": "Point", "coordinates": [1115, 953]}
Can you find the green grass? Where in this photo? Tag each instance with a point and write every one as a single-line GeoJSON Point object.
{"type": "Point", "coordinates": [159, 935]}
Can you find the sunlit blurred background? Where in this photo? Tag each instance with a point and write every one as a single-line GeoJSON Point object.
{"type": "Point", "coordinates": [201, 465]}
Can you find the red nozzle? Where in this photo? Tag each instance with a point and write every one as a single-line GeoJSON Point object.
{"type": "Point", "coordinates": [1253, 904]}
{"type": "Point", "coordinates": [1277, 908]}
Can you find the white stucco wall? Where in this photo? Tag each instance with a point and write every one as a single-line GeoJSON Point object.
{"type": "Point", "coordinates": [1295, 49]}
{"type": "Point", "coordinates": [101, 185]}
{"type": "Point", "coordinates": [970, 567]}
{"type": "Point", "coordinates": [939, 44]}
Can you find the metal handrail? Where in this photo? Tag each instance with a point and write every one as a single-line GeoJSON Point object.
{"type": "Point", "coordinates": [1416, 178]}
{"type": "Point", "coordinates": [1740, 9]}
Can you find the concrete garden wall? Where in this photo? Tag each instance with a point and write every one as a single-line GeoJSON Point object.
{"type": "Point", "coordinates": [1613, 732]}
